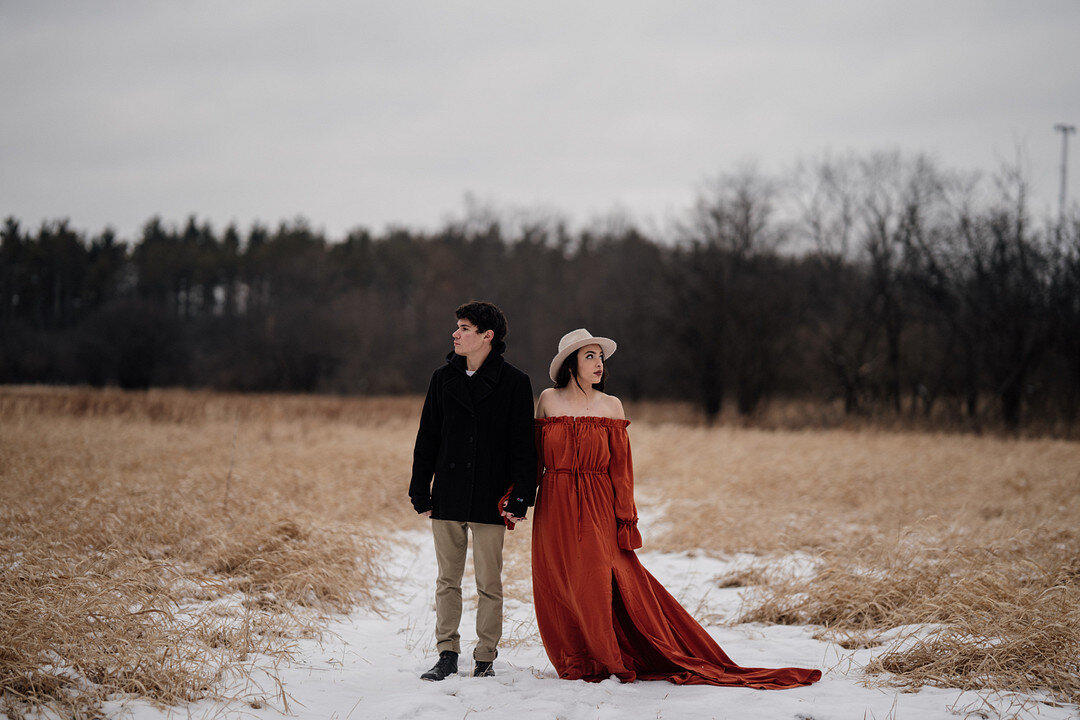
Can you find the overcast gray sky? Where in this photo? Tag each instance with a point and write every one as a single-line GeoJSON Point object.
{"type": "Point", "coordinates": [354, 113]}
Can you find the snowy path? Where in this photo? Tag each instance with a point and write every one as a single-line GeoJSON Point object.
{"type": "Point", "coordinates": [367, 666]}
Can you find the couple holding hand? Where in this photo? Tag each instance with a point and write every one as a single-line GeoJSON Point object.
{"type": "Point", "coordinates": [482, 457]}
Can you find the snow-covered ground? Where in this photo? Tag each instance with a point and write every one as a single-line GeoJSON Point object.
{"type": "Point", "coordinates": [367, 665]}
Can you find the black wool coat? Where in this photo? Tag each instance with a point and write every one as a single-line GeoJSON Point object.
{"type": "Point", "coordinates": [476, 441]}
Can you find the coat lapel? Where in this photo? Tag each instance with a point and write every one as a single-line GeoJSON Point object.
{"type": "Point", "coordinates": [457, 388]}
{"type": "Point", "coordinates": [470, 391]}
{"type": "Point", "coordinates": [487, 378]}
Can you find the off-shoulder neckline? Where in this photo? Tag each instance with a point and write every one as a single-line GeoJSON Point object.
{"type": "Point", "coordinates": [588, 419]}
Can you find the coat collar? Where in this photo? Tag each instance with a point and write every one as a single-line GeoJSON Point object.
{"type": "Point", "coordinates": [484, 380]}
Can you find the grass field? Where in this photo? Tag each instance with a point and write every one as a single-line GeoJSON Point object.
{"type": "Point", "coordinates": [153, 543]}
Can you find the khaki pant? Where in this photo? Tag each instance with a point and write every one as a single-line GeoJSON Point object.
{"type": "Point", "coordinates": [451, 543]}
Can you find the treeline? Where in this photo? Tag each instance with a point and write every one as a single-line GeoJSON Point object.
{"type": "Point", "coordinates": [883, 283]}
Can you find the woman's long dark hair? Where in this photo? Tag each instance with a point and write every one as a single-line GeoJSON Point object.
{"type": "Point", "coordinates": [568, 372]}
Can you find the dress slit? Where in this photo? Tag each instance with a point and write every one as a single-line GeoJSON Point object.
{"type": "Point", "coordinates": [638, 654]}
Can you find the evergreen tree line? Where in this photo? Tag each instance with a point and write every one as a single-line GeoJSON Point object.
{"type": "Point", "coordinates": [881, 283]}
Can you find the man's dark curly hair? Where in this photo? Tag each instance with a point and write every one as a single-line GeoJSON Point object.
{"type": "Point", "coordinates": [484, 316]}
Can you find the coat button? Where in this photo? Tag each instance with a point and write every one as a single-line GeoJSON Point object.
{"type": "Point", "coordinates": [451, 466]}
{"type": "Point", "coordinates": [468, 464]}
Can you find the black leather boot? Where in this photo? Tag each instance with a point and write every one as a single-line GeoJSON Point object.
{"type": "Point", "coordinates": [445, 667]}
{"type": "Point", "coordinates": [483, 669]}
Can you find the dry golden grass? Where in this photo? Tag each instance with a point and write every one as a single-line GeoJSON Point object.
{"type": "Point", "coordinates": [151, 542]}
{"type": "Point", "coordinates": [731, 490]}
{"type": "Point", "coordinates": [949, 415]}
{"type": "Point", "coordinates": [1003, 614]}
{"type": "Point", "coordinates": [976, 535]}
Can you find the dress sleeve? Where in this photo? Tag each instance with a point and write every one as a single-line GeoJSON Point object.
{"type": "Point", "coordinates": [621, 469]}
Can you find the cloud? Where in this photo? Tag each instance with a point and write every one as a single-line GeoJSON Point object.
{"type": "Point", "coordinates": [360, 113]}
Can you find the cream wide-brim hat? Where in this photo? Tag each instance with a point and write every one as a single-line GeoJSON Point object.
{"type": "Point", "coordinates": [576, 339]}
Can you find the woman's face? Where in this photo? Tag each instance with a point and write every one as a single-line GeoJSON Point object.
{"type": "Point", "coordinates": [590, 364]}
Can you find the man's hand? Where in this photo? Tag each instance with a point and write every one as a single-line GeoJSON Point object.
{"type": "Point", "coordinates": [515, 509]}
{"type": "Point", "coordinates": [426, 513]}
{"type": "Point", "coordinates": [514, 518]}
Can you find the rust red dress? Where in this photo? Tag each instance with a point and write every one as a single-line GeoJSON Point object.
{"type": "Point", "coordinates": [600, 613]}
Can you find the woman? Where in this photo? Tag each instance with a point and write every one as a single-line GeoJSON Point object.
{"type": "Point", "coordinates": [600, 613]}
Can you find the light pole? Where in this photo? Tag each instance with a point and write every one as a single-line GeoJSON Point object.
{"type": "Point", "coordinates": [1065, 130]}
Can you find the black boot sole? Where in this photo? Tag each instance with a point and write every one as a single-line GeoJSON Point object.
{"type": "Point", "coordinates": [433, 677]}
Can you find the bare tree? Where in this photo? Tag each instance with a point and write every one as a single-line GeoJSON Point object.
{"type": "Point", "coordinates": [727, 295]}
{"type": "Point", "coordinates": [829, 192]}
{"type": "Point", "coordinates": [988, 276]}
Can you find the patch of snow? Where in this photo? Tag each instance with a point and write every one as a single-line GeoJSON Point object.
{"type": "Point", "coordinates": [367, 665]}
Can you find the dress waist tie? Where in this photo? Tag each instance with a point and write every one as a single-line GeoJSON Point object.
{"type": "Point", "coordinates": [576, 475]}
{"type": "Point", "coordinates": [578, 498]}
{"type": "Point", "coordinates": [578, 479]}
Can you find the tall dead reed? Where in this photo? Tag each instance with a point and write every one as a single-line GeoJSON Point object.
{"type": "Point", "coordinates": [1002, 614]}
{"type": "Point", "coordinates": [156, 543]}
{"type": "Point", "coordinates": [126, 568]}
{"type": "Point", "coordinates": [972, 536]}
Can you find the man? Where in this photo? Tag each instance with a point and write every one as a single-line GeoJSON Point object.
{"type": "Point", "coordinates": [476, 439]}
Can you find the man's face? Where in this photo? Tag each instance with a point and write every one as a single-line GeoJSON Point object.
{"type": "Point", "coordinates": [468, 340]}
